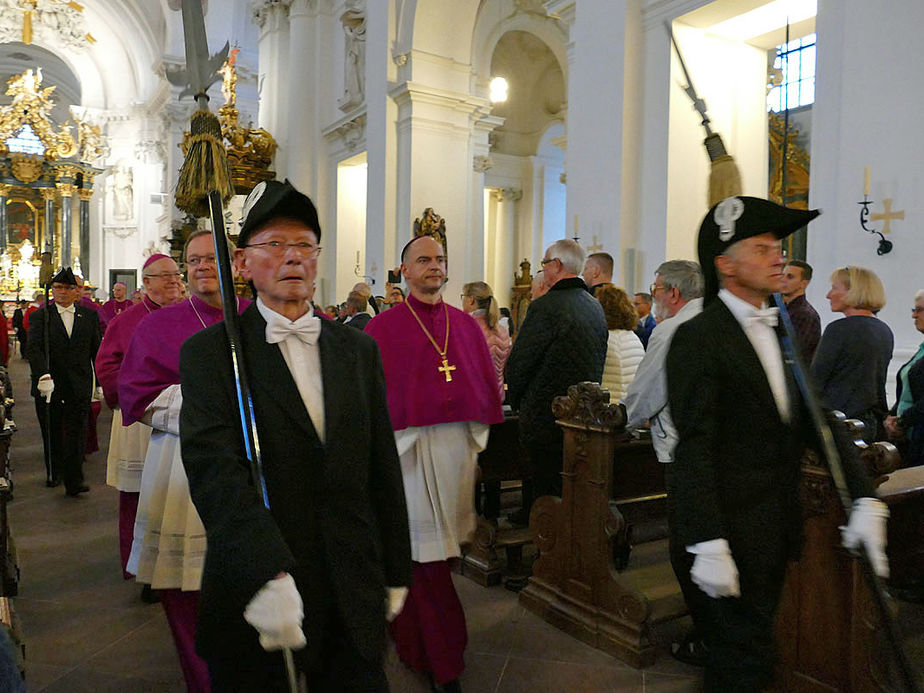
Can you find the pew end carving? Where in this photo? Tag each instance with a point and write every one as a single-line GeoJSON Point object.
{"type": "Point", "coordinates": [575, 584]}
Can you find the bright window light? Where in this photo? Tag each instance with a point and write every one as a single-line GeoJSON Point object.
{"type": "Point", "coordinates": [796, 62]}
{"type": "Point", "coordinates": [498, 89]}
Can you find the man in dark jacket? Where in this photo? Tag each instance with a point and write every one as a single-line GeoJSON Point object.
{"type": "Point", "coordinates": [733, 488]}
{"type": "Point", "coordinates": [562, 342]}
{"type": "Point", "coordinates": [356, 315]}
{"type": "Point", "coordinates": [333, 547]}
{"type": "Point", "coordinates": [63, 388]}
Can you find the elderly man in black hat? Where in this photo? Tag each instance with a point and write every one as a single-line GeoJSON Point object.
{"type": "Point", "coordinates": [63, 385]}
{"type": "Point", "coordinates": [742, 425]}
{"type": "Point", "coordinates": [334, 544]}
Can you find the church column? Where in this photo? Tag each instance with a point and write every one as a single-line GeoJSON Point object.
{"type": "Point", "coordinates": [503, 245]}
{"type": "Point", "coordinates": [48, 194]}
{"type": "Point", "coordinates": [85, 195]}
{"type": "Point", "coordinates": [434, 159]}
{"type": "Point", "coordinates": [301, 99]}
{"type": "Point", "coordinates": [65, 183]}
{"type": "Point", "coordinates": [381, 143]}
{"type": "Point", "coordinates": [603, 124]}
{"type": "Point", "coordinates": [272, 16]}
{"type": "Point", "coordinates": [4, 194]}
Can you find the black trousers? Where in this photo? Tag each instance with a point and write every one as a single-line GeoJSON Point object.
{"type": "Point", "coordinates": [337, 667]}
{"type": "Point", "coordinates": [738, 632]}
{"type": "Point", "coordinates": [67, 423]}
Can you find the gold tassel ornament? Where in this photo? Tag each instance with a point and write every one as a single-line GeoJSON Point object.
{"type": "Point", "coordinates": [205, 168]}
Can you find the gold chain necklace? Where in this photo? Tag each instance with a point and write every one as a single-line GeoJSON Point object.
{"type": "Point", "coordinates": [196, 310]}
{"type": "Point", "coordinates": [446, 369]}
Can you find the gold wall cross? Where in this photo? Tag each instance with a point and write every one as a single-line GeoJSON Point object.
{"type": "Point", "coordinates": [888, 215]}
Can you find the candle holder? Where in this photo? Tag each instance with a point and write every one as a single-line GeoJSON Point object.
{"type": "Point", "coordinates": [885, 246]}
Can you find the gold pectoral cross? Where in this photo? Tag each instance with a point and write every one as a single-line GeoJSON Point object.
{"type": "Point", "coordinates": [447, 369]}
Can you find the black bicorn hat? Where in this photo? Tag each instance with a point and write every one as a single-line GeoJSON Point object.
{"type": "Point", "coordinates": [273, 199]}
{"type": "Point", "coordinates": [65, 275]}
{"type": "Point", "coordinates": [736, 218]}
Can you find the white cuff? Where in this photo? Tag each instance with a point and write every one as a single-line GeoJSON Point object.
{"type": "Point", "coordinates": [164, 412]}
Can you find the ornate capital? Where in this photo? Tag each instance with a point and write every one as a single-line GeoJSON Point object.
{"type": "Point", "coordinates": [512, 194]}
{"type": "Point", "coordinates": [85, 194]}
{"type": "Point", "coordinates": [5, 189]}
{"type": "Point", "coordinates": [261, 10]}
{"type": "Point", "coordinates": [482, 163]}
{"type": "Point", "coordinates": [150, 151]}
{"type": "Point", "coordinates": [48, 194]}
{"type": "Point", "coordinates": [66, 189]}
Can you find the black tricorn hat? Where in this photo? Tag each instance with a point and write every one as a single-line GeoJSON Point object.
{"type": "Point", "coordinates": [64, 276]}
{"type": "Point", "coordinates": [273, 199]}
{"type": "Point", "coordinates": [736, 218]}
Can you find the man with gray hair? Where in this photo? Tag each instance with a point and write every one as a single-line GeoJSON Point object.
{"type": "Point", "coordinates": [677, 295]}
{"type": "Point", "coordinates": [562, 342]}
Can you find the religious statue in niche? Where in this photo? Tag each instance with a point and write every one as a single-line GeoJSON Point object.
{"type": "Point", "coordinates": [354, 74]}
{"type": "Point", "coordinates": [123, 198]}
{"type": "Point", "coordinates": [431, 224]}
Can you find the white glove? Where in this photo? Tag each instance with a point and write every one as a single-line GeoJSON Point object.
{"type": "Point", "coordinates": [867, 524]}
{"type": "Point", "coordinates": [394, 602]}
{"type": "Point", "coordinates": [714, 570]}
{"type": "Point", "coordinates": [46, 386]}
{"type": "Point", "coordinates": [276, 612]}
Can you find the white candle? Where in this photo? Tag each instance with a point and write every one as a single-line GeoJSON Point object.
{"type": "Point", "coordinates": [866, 182]}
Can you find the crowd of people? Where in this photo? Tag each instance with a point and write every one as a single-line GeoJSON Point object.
{"type": "Point", "coordinates": [371, 414]}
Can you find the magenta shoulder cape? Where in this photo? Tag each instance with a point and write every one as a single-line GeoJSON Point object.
{"type": "Point", "coordinates": [418, 393]}
{"type": "Point", "coordinates": [115, 342]}
{"type": "Point", "coordinates": [152, 361]}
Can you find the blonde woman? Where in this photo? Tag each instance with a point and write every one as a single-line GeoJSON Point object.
{"type": "Point", "coordinates": [624, 350]}
{"type": "Point", "coordinates": [854, 352]}
{"type": "Point", "coordinates": [478, 301]}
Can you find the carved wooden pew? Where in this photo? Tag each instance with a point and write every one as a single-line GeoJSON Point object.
{"type": "Point", "coordinates": [502, 460]}
{"type": "Point", "coordinates": [575, 585]}
{"type": "Point", "coordinates": [827, 624]}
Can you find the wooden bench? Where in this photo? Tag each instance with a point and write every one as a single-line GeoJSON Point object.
{"type": "Point", "coordinates": [575, 584]}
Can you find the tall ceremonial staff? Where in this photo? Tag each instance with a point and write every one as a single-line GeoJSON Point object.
{"type": "Point", "coordinates": [203, 186]}
{"type": "Point", "coordinates": [835, 466]}
{"type": "Point", "coordinates": [46, 274]}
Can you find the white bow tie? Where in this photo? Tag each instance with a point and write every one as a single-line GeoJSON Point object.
{"type": "Point", "coordinates": [69, 309]}
{"type": "Point", "coordinates": [767, 316]}
{"type": "Point", "coordinates": [306, 328]}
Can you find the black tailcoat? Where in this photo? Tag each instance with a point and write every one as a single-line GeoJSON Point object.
{"type": "Point", "coordinates": [735, 476]}
{"type": "Point", "coordinates": [338, 522]}
{"type": "Point", "coordinates": [71, 357]}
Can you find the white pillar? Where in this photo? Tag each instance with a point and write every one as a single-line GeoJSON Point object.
{"type": "Point", "coordinates": [273, 84]}
{"type": "Point", "coordinates": [301, 100]}
{"type": "Point", "coordinates": [381, 113]}
{"type": "Point", "coordinates": [503, 249]}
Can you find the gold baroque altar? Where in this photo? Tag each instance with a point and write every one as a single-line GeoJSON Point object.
{"type": "Point", "coordinates": [46, 175]}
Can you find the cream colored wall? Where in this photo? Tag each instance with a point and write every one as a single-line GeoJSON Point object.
{"type": "Point", "coordinates": [730, 76]}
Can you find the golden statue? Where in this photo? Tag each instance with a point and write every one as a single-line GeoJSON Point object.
{"type": "Point", "coordinates": [431, 224]}
{"type": "Point", "coordinates": [30, 106]}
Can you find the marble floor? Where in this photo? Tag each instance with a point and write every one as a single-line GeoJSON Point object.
{"type": "Point", "coordinates": [87, 630]}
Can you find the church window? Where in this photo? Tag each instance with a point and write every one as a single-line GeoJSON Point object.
{"type": "Point", "coordinates": [25, 142]}
{"type": "Point", "coordinates": [796, 62]}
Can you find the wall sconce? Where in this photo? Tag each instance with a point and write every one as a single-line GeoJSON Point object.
{"type": "Point", "coordinates": [885, 246]}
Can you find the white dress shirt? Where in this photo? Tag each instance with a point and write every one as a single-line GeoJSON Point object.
{"type": "Point", "coordinates": [67, 317]}
{"type": "Point", "coordinates": [304, 362]}
{"type": "Point", "coordinates": [764, 340]}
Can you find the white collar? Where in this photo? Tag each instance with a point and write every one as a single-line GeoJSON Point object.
{"type": "Point", "coordinates": [741, 309]}
{"type": "Point", "coordinates": [271, 315]}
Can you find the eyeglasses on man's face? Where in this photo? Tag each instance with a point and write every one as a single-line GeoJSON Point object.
{"type": "Point", "coordinates": [654, 288]}
{"type": "Point", "coordinates": [279, 248]}
{"type": "Point", "coordinates": [547, 260]}
{"type": "Point", "coordinates": [165, 275]}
